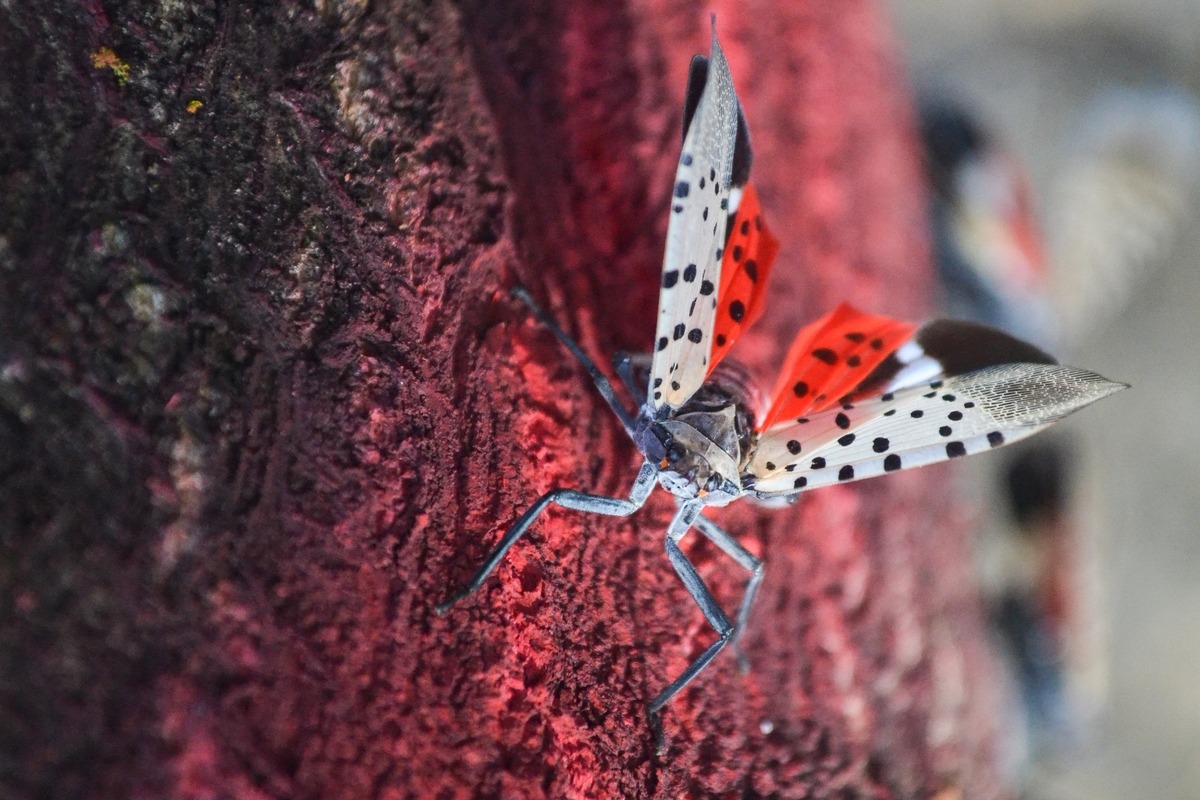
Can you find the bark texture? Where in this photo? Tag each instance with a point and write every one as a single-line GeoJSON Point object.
{"type": "Point", "coordinates": [264, 400]}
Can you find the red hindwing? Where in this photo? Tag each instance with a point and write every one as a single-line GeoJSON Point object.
{"type": "Point", "coordinates": [829, 358]}
{"type": "Point", "coordinates": [749, 255]}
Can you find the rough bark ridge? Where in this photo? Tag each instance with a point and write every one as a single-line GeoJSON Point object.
{"type": "Point", "coordinates": [264, 400]}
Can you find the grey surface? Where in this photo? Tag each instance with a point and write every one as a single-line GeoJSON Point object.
{"type": "Point", "coordinates": [1031, 71]}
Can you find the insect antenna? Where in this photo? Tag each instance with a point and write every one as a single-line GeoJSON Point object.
{"type": "Point", "coordinates": [603, 386]}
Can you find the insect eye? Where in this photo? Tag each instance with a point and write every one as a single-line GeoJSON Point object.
{"type": "Point", "coordinates": [675, 452]}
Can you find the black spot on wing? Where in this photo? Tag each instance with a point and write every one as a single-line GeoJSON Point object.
{"type": "Point", "coordinates": [825, 355]}
{"type": "Point", "coordinates": [956, 449]}
{"type": "Point", "coordinates": [846, 473]}
{"type": "Point", "coordinates": [892, 463]}
{"type": "Point", "coordinates": [883, 373]}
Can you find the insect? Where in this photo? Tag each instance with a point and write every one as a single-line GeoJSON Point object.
{"type": "Point", "coordinates": [859, 395]}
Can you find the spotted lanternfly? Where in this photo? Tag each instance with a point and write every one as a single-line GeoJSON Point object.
{"type": "Point", "coordinates": [859, 395]}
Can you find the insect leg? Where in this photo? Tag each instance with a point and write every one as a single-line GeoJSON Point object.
{"type": "Point", "coordinates": [747, 561]}
{"type": "Point", "coordinates": [708, 606]}
{"type": "Point", "coordinates": [598, 378]}
{"type": "Point", "coordinates": [624, 363]}
{"type": "Point", "coordinates": [567, 498]}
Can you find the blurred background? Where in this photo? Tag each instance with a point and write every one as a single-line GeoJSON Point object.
{"type": "Point", "coordinates": [1096, 101]}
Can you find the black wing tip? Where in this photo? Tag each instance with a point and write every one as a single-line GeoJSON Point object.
{"type": "Point", "coordinates": [697, 79]}
{"type": "Point", "coordinates": [961, 346]}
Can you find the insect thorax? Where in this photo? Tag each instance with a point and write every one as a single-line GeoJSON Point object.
{"type": "Point", "coordinates": [699, 447]}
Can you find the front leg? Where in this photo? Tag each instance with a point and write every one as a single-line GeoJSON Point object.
{"type": "Point", "coordinates": [567, 498]}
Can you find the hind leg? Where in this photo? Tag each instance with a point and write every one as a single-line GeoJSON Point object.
{"type": "Point", "coordinates": [747, 561]}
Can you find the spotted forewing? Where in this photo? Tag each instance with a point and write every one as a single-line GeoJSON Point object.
{"type": "Point", "coordinates": [691, 273]}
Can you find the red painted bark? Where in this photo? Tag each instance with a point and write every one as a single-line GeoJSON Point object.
{"type": "Point", "coordinates": [264, 400]}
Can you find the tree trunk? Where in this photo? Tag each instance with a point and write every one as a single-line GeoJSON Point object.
{"type": "Point", "coordinates": [264, 401]}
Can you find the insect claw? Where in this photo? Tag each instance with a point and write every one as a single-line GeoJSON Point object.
{"type": "Point", "coordinates": [442, 608]}
{"type": "Point", "coordinates": [743, 663]}
{"type": "Point", "coordinates": [660, 739]}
